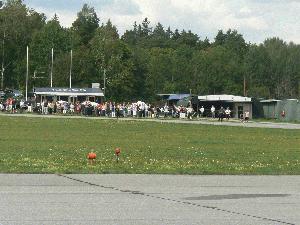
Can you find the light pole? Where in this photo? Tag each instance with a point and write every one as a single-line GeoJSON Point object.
{"type": "Point", "coordinates": [3, 42]}
{"type": "Point", "coordinates": [27, 71]}
{"type": "Point", "coordinates": [104, 82]}
{"type": "Point", "coordinates": [71, 64]}
{"type": "Point", "coordinates": [51, 72]}
{"type": "Point", "coordinates": [2, 68]}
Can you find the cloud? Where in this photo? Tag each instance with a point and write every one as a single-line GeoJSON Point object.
{"type": "Point", "coordinates": [255, 19]}
{"type": "Point", "coordinates": [66, 17]}
{"type": "Point", "coordinates": [122, 8]}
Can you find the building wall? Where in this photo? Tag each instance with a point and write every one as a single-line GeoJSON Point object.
{"type": "Point", "coordinates": [291, 108]}
{"type": "Point", "coordinates": [273, 110]}
{"type": "Point", "coordinates": [245, 107]}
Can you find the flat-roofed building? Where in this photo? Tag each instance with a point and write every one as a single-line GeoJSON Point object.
{"type": "Point", "coordinates": [237, 104]}
{"type": "Point", "coordinates": [68, 94]}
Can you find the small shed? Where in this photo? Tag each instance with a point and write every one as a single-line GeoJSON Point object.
{"type": "Point", "coordinates": [237, 104]}
{"type": "Point", "coordinates": [271, 108]}
{"type": "Point", "coordinates": [69, 94]}
{"type": "Point", "coordinates": [285, 110]}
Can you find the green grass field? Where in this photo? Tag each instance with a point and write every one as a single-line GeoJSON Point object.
{"type": "Point", "coordinates": [43, 145]}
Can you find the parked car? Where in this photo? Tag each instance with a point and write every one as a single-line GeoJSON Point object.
{"type": "Point", "coordinates": [12, 93]}
{"type": "Point", "coordinates": [17, 93]}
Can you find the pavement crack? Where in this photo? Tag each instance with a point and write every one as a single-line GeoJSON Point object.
{"type": "Point", "coordinates": [177, 201]}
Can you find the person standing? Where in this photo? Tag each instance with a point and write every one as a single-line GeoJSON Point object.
{"type": "Point", "coordinates": [29, 107]}
{"type": "Point", "coordinates": [201, 111]}
{"type": "Point", "coordinates": [166, 110]}
{"type": "Point", "coordinates": [157, 112]}
{"type": "Point", "coordinates": [189, 111]}
{"type": "Point", "coordinates": [104, 108]}
{"type": "Point", "coordinates": [146, 110]}
{"type": "Point", "coordinates": [58, 107]}
{"type": "Point", "coordinates": [72, 107]}
{"type": "Point", "coordinates": [143, 110]}
{"type": "Point", "coordinates": [118, 110]}
{"type": "Point", "coordinates": [65, 110]}
{"type": "Point", "coordinates": [14, 104]}
{"type": "Point", "coordinates": [50, 107]}
{"type": "Point", "coordinates": [227, 113]}
{"type": "Point", "coordinates": [247, 116]}
{"type": "Point", "coordinates": [45, 107]}
{"type": "Point", "coordinates": [221, 114]}
{"type": "Point", "coordinates": [213, 111]}
{"type": "Point", "coordinates": [134, 109]}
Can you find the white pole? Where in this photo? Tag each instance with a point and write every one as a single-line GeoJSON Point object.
{"type": "Point", "coordinates": [104, 82]}
{"type": "Point", "coordinates": [2, 69]}
{"type": "Point", "coordinates": [27, 72]}
{"type": "Point", "coordinates": [51, 75]}
{"type": "Point", "coordinates": [71, 70]}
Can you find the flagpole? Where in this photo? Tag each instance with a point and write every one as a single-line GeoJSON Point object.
{"type": "Point", "coordinates": [2, 69]}
{"type": "Point", "coordinates": [51, 75]}
{"type": "Point", "coordinates": [27, 72]}
{"type": "Point", "coordinates": [71, 69]}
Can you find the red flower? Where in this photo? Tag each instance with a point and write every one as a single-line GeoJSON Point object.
{"type": "Point", "coordinates": [92, 155]}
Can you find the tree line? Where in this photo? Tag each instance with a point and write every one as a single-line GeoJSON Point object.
{"type": "Point", "coordinates": [144, 61]}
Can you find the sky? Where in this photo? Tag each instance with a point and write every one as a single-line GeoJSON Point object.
{"type": "Point", "coordinates": [256, 20]}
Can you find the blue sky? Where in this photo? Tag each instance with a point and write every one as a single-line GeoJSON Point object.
{"type": "Point", "coordinates": [255, 19]}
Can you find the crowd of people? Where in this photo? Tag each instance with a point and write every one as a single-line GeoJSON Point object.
{"type": "Point", "coordinates": [111, 109]}
{"type": "Point", "coordinates": [115, 110]}
{"type": "Point", "coordinates": [9, 105]}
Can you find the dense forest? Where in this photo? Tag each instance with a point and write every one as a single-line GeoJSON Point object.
{"type": "Point", "coordinates": [146, 60]}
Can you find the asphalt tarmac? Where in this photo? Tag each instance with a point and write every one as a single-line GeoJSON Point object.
{"type": "Point", "coordinates": [207, 121]}
{"type": "Point", "coordinates": [39, 199]}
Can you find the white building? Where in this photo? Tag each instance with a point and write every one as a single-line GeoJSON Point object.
{"type": "Point", "coordinates": [69, 94]}
{"type": "Point", "coordinates": [237, 104]}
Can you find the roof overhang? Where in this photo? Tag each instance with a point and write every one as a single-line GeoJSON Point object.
{"type": "Point", "coordinates": [73, 92]}
{"type": "Point", "coordinates": [270, 100]}
{"type": "Point", "coordinates": [224, 98]}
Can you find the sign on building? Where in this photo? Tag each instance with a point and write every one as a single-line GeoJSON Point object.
{"type": "Point", "coordinates": [95, 85]}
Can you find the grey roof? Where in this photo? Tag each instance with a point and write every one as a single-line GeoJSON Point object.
{"type": "Point", "coordinates": [69, 91]}
{"type": "Point", "coordinates": [178, 96]}
{"type": "Point", "coordinates": [270, 100]}
{"type": "Point", "coordinates": [227, 98]}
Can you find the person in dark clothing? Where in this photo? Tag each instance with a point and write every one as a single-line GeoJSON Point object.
{"type": "Point", "coordinates": [118, 114]}
{"type": "Point", "coordinates": [221, 114]}
{"type": "Point", "coordinates": [157, 111]}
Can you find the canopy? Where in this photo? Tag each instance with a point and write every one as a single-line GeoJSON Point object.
{"type": "Point", "coordinates": [178, 96]}
{"type": "Point", "coordinates": [226, 98]}
{"type": "Point", "coordinates": [73, 92]}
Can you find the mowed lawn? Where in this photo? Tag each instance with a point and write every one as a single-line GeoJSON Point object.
{"type": "Point", "coordinates": [43, 145]}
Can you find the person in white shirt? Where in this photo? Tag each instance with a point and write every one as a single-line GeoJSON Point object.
{"type": "Point", "coordinates": [146, 110]}
{"type": "Point", "coordinates": [247, 116]}
{"type": "Point", "coordinates": [166, 110]}
{"type": "Point", "coordinates": [29, 107]}
{"type": "Point", "coordinates": [227, 113]}
{"type": "Point", "coordinates": [134, 109]}
{"type": "Point", "coordinates": [202, 111]}
{"type": "Point", "coordinates": [142, 109]}
{"type": "Point", "coordinates": [45, 109]}
{"type": "Point", "coordinates": [189, 111]}
{"type": "Point", "coordinates": [213, 111]}
{"type": "Point", "coordinates": [72, 107]}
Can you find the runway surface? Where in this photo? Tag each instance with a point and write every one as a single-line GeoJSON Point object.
{"type": "Point", "coordinates": [148, 199]}
{"type": "Point", "coordinates": [207, 121]}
